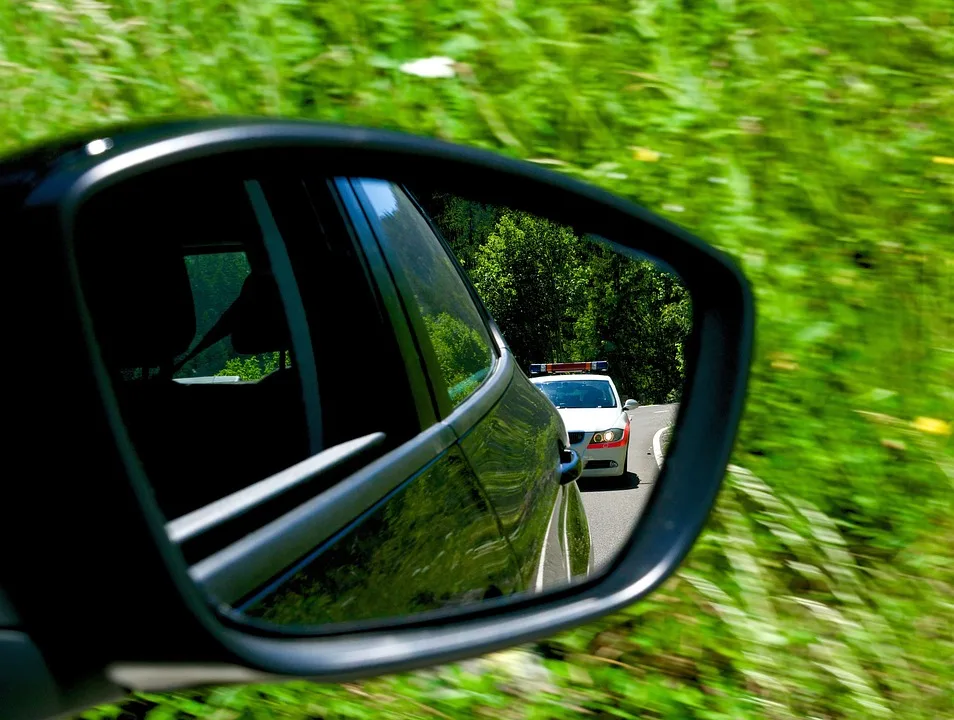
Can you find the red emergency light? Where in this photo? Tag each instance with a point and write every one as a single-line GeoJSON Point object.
{"type": "Point", "coordinates": [569, 367]}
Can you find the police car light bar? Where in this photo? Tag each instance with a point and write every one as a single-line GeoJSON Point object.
{"type": "Point", "coordinates": [569, 367]}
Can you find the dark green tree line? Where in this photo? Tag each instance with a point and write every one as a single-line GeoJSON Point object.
{"type": "Point", "coordinates": [560, 297]}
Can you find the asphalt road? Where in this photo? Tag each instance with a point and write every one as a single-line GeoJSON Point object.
{"type": "Point", "coordinates": [613, 505]}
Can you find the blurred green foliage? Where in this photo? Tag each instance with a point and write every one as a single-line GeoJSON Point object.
{"type": "Point", "coordinates": [812, 141]}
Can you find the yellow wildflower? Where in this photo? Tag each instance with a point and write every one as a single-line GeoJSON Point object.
{"type": "Point", "coordinates": [932, 426]}
{"type": "Point", "coordinates": [645, 154]}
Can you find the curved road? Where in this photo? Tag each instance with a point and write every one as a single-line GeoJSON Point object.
{"type": "Point", "coordinates": [613, 505]}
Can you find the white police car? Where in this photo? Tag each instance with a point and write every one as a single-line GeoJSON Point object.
{"type": "Point", "coordinates": [595, 418]}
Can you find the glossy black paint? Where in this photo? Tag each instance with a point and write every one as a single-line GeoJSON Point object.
{"type": "Point", "coordinates": [434, 544]}
{"type": "Point", "coordinates": [576, 530]}
{"type": "Point", "coordinates": [515, 451]}
{"type": "Point", "coordinates": [169, 622]}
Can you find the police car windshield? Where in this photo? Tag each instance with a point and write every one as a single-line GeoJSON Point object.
{"type": "Point", "coordinates": [579, 393]}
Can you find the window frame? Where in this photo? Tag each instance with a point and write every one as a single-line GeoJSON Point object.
{"type": "Point", "coordinates": [325, 207]}
{"type": "Point", "coordinates": [380, 276]}
{"type": "Point", "coordinates": [299, 329]}
{"type": "Point", "coordinates": [439, 389]}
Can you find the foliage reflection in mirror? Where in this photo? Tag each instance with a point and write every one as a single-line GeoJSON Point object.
{"type": "Point", "coordinates": [243, 332]}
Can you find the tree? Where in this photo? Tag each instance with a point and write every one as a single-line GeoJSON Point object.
{"type": "Point", "coordinates": [559, 297]}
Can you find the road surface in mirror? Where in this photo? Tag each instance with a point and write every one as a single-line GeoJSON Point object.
{"type": "Point", "coordinates": [614, 507]}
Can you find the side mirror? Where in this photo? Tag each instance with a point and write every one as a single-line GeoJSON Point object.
{"type": "Point", "coordinates": [277, 528]}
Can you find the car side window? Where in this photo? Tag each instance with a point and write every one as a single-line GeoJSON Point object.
{"type": "Point", "coordinates": [190, 322]}
{"type": "Point", "coordinates": [182, 277]}
{"type": "Point", "coordinates": [452, 322]}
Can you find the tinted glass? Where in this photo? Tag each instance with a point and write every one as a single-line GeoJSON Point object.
{"type": "Point", "coordinates": [578, 393]}
{"type": "Point", "coordinates": [191, 323]}
{"type": "Point", "coordinates": [451, 320]}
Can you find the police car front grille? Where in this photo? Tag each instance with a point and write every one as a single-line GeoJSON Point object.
{"type": "Point", "coordinates": [575, 437]}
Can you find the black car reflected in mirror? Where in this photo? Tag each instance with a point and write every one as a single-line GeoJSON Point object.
{"type": "Point", "coordinates": [447, 298]}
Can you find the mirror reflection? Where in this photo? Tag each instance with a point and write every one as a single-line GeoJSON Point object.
{"type": "Point", "coordinates": [601, 334]}
{"type": "Point", "coordinates": [357, 401]}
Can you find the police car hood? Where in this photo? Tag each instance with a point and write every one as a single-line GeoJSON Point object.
{"type": "Point", "coordinates": [590, 419]}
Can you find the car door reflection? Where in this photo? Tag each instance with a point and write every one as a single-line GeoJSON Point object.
{"type": "Point", "coordinates": [522, 432]}
{"type": "Point", "coordinates": [433, 544]}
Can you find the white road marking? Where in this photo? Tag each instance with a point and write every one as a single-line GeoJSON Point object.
{"type": "Point", "coordinates": [657, 446]}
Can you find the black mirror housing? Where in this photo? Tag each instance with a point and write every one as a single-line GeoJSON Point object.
{"type": "Point", "coordinates": [153, 629]}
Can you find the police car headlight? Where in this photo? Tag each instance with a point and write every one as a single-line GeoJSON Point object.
{"type": "Point", "coordinates": [608, 436]}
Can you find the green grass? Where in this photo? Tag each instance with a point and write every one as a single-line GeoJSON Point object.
{"type": "Point", "coordinates": [807, 139]}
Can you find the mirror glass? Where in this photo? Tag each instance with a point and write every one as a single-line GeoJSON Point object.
{"type": "Point", "coordinates": [245, 317]}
